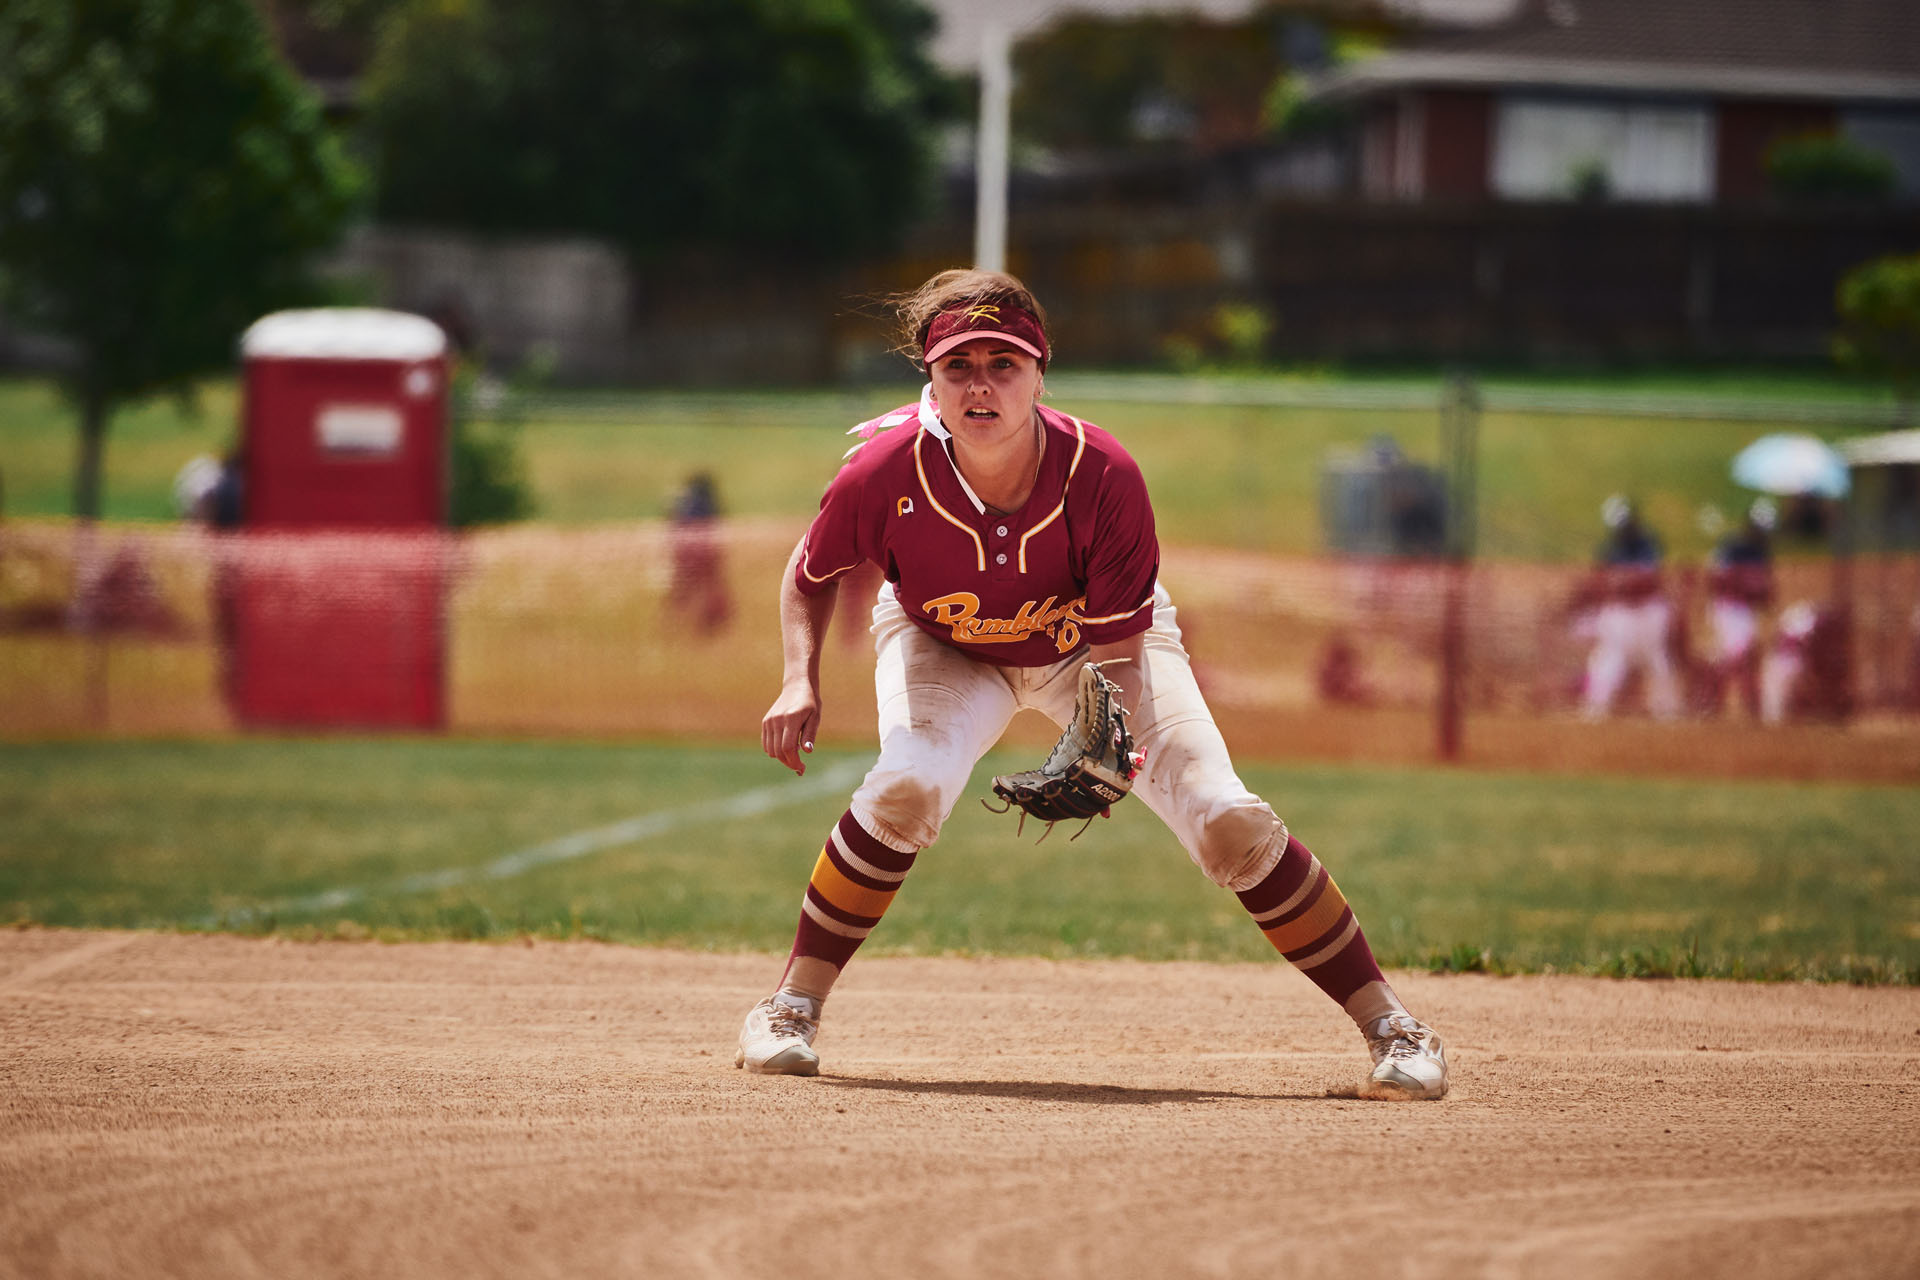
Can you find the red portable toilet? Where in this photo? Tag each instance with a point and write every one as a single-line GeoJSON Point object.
{"type": "Point", "coordinates": [336, 602]}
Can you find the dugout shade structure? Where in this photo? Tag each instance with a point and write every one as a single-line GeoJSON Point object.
{"type": "Point", "coordinates": [333, 601]}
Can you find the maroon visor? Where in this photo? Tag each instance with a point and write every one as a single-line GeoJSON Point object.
{"type": "Point", "coordinates": [1018, 326]}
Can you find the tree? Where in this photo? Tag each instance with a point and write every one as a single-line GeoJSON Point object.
{"type": "Point", "coordinates": [1185, 83]}
{"type": "Point", "coordinates": [784, 125]}
{"type": "Point", "coordinates": [1879, 305]}
{"type": "Point", "coordinates": [163, 182]}
{"type": "Point", "coordinates": [1828, 167]}
{"type": "Point", "coordinates": [487, 478]}
{"type": "Point", "coordinates": [1173, 81]}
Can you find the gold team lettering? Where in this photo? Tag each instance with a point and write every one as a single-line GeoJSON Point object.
{"type": "Point", "coordinates": [961, 613]}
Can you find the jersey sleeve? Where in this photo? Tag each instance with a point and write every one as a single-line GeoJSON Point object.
{"type": "Point", "coordinates": [1124, 560]}
{"type": "Point", "coordinates": [836, 541]}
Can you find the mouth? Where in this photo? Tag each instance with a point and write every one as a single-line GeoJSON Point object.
{"type": "Point", "coordinates": [978, 414]}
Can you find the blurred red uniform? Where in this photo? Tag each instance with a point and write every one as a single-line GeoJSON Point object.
{"type": "Point", "coordinates": [1740, 583]}
{"type": "Point", "coordinates": [1633, 619]}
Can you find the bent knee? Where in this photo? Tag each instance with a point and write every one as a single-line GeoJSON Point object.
{"type": "Point", "coordinates": [1240, 842]}
{"type": "Point", "coordinates": [907, 795]}
{"type": "Point", "coordinates": [901, 814]}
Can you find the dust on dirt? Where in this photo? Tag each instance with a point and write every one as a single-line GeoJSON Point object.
{"type": "Point", "coordinates": [216, 1106]}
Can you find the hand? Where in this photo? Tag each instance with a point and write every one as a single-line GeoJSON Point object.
{"type": "Point", "coordinates": [790, 724]}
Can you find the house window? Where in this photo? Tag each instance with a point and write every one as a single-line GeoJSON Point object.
{"type": "Point", "coordinates": [1895, 135]}
{"type": "Point", "coordinates": [1557, 149]}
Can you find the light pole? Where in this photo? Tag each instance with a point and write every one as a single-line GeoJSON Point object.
{"type": "Point", "coordinates": [990, 159]}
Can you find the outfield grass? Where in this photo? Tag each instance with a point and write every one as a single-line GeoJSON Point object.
{"type": "Point", "coordinates": [1447, 869]}
{"type": "Point", "coordinates": [1223, 474]}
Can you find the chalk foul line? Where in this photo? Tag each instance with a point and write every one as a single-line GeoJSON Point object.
{"type": "Point", "coordinates": [579, 844]}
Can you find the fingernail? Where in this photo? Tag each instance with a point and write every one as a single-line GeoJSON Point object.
{"type": "Point", "coordinates": [806, 746]}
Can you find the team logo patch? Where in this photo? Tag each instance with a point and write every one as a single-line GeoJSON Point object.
{"type": "Point", "coordinates": [903, 507]}
{"type": "Point", "coordinates": [960, 611]}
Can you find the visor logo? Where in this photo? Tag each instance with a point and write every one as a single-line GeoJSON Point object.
{"type": "Point", "coordinates": [983, 311]}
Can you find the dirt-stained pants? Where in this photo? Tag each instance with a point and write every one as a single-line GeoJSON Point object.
{"type": "Point", "coordinates": [941, 710]}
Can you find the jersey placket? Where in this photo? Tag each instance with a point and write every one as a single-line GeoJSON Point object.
{"type": "Point", "coordinates": [1003, 560]}
{"type": "Point", "coordinates": [999, 534]}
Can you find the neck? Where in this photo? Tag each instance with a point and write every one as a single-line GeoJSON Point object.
{"type": "Point", "coordinates": [1003, 475]}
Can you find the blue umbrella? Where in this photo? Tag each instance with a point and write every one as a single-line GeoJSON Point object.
{"type": "Point", "coordinates": [1792, 464]}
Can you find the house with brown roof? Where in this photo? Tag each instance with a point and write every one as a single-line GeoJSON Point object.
{"type": "Point", "coordinates": [1644, 100]}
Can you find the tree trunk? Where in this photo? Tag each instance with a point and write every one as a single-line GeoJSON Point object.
{"type": "Point", "coordinates": [93, 440]}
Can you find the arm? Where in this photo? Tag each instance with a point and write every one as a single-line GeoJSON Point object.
{"type": "Point", "coordinates": [791, 722]}
{"type": "Point", "coordinates": [1130, 675]}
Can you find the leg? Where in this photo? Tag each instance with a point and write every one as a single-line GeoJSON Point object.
{"type": "Point", "coordinates": [1235, 838]}
{"type": "Point", "coordinates": [1654, 625]}
{"type": "Point", "coordinates": [1607, 663]}
{"type": "Point", "coordinates": [1737, 628]}
{"type": "Point", "coordinates": [939, 712]}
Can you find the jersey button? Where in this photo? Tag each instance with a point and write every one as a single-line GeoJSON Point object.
{"type": "Point", "coordinates": [1001, 558]}
{"type": "Point", "coordinates": [1002, 531]}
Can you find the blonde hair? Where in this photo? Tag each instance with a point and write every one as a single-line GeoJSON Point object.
{"type": "Point", "coordinates": [914, 311]}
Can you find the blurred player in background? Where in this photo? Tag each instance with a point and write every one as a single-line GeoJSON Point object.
{"type": "Point", "coordinates": [1017, 543]}
{"type": "Point", "coordinates": [1632, 619]}
{"type": "Point", "coordinates": [698, 592]}
{"type": "Point", "coordinates": [1740, 587]}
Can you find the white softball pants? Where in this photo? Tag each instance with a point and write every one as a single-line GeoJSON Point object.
{"type": "Point", "coordinates": [940, 711]}
{"type": "Point", "coordinates": [1627, 635]}
{"type": "Point", "coordinates": [1736, 626]}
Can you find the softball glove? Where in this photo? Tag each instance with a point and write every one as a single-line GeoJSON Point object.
{"type": "Point", "coordinates": [1091, 767]}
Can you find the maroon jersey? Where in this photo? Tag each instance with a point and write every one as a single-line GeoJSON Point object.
{"type": "Point", "coordinates": [1074, 566]}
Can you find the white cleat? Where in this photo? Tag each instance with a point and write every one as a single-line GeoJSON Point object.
{"type": "Point", "coordinates": [1408, 1062]}
{"type": "Point", "coordinates": [777, 1040]}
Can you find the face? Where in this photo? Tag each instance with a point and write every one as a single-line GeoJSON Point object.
{"type": "Point", "coordinates": [985, 389]}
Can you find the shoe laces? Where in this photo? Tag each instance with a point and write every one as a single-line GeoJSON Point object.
{"type": "Point", "coordinates": [1401, 1038]}
{"type": "Point", "coordinates": [785, 1020]}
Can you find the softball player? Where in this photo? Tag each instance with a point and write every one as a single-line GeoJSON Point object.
{"type": "Point", "coordinates": [1740, 583]}
{"type": "Point", "coordinates": [1017, 543]}
{"type": "Point", "coordinates": [1633, 626]}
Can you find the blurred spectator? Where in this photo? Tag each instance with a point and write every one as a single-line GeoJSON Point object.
{"type": "Point", "coordinates": [1807, 518]}
{"type": "Point", "coordinates": [1338, 674]}
{"type": "Point", "coordinates": [1808, 672]}
{"type": "Point", "coordinates": [193, 486]}
{"type": "Point", "coordinates": [1785, 662]}
{"type": "Point", "coordinates": [209, 491]}
{"type": "Point", "coordinates": [698, 590]}
{"type": "Point", "coordinates": [229, 506]}
{"type": "Point", "coordinates": [1740, 586]}
{"type": "Point", "coordinates": [116, 591]}
{"type": "Point", "coordinates": [1632, 617]}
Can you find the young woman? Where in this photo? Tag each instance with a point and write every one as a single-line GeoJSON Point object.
{"type": "Point", "coordinates": [1017, 543]}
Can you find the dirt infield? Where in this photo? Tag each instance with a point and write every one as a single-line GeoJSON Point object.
{"type": "Point", "coordinates": [212, 1107]}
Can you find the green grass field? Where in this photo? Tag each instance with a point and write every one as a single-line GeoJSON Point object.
{"type": "Point", "coordinates": [407, 838]}
{"type": "Point", "coordinates": [1222, 474]}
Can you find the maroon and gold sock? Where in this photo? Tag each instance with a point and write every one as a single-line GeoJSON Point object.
{"type": "Point", "coordinates": [1307, 919]}
{"type": "Point", "coordinates": [853, 881]}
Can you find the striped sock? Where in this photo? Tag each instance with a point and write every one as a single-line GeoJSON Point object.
{"type": "Point", "coordinates": [853, 881]}
{"type": "Point", "coordinates": [1307, 919]}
